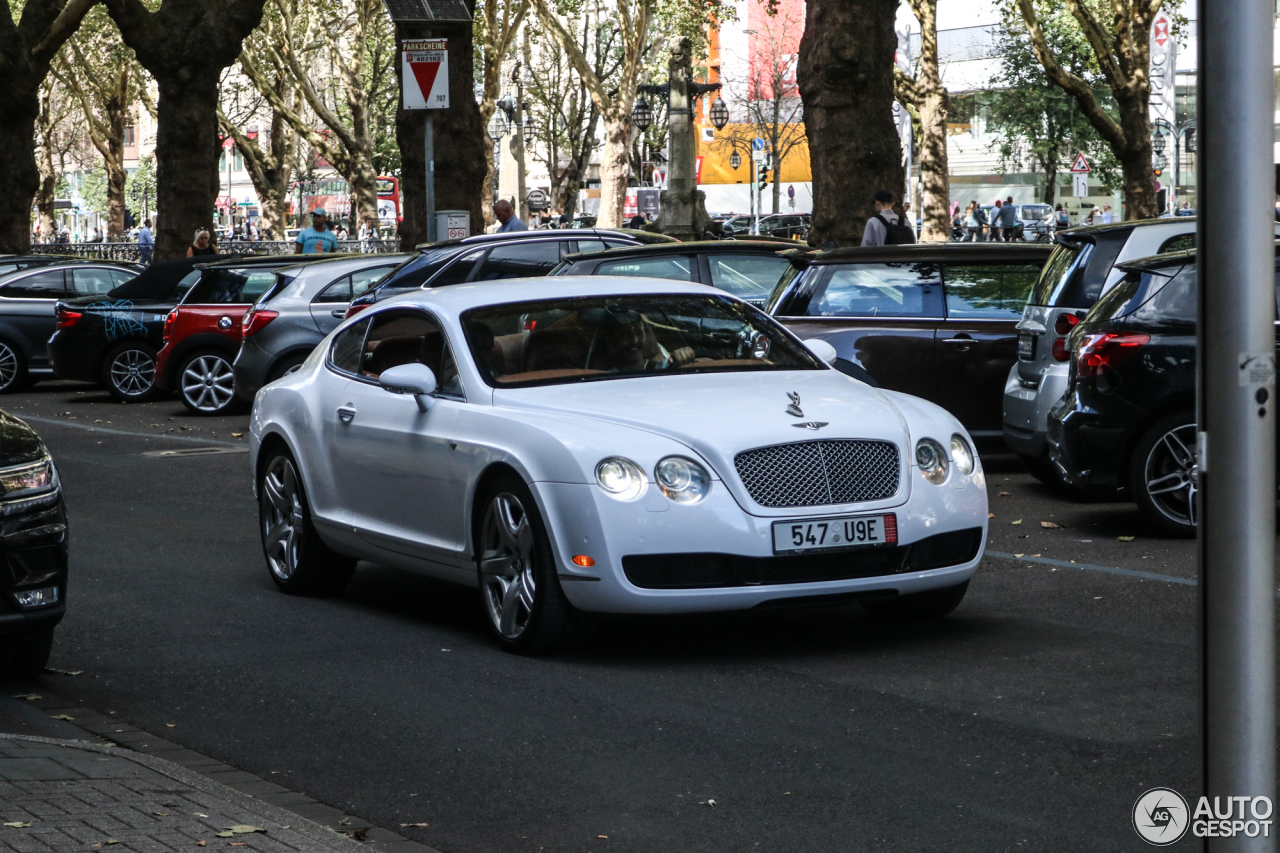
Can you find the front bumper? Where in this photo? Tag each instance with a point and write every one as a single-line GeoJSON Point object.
{"type": "Point", "coordinates": [33, 555]}
{"type": "Point", "coordinates": [1026, 409]}
{"type": "Point", "coordinates": [1087, 448]}
{"type": "Point", "coordinates": [716, 538]}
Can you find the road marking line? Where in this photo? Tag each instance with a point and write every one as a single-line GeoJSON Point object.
{"type": "Point", "coordinates": [1091, 567]}
{"type": "Point", "coordinates": [90, 428]}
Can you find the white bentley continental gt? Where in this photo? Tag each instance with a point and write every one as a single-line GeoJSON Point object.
{"type": "Point", "coordinates": [574, 446]}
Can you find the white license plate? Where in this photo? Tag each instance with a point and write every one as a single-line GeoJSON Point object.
{"type": "Point", "coordinates": [1027, 346]}
{"type": "Point", "coordinates": [852, 531]}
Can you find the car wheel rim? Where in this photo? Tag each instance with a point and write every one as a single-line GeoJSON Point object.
{"type": "Point", "coordinates": [8, 366]}
{"type": "Point", "coordinates": [507, 565]}
{"type": "Point", "coordinates": [208, 383]}
{"type": "Point", "coordinates": [281, 518]}
{"type": "Point", "coordinates": [133, 372]}
{"type": "Point", "coordinates": [1171, 475]}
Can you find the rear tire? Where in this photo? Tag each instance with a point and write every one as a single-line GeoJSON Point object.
{"type": "Point", "coordinates": [930, 604]}
{"type": "Point", "coordinates": [297, 558]}
{"type": "Point", "coordinates": [206, 383]}
{"type": "Point", "coordinates": [13, 369]}
{"type": "Point", "coordinates": [129, 371]}
{"type": "Point", "coordinates": [25, 656]}
{"type": "Point", "coordinates": [1163, 475]}
{"type": "Point", "coordinates": [520, 593]}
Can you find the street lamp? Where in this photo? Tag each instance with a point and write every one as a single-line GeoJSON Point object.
{"type": "Point", "coordinates": [498, 126]}
{"type": "Point", "coordinates": [719, 114]}
{"type": "Point", "coordinates": [642, 116]}
{"type": "Point", "coordinates": [734, 160]}
{"type": "Point", "coordinates": [1180, 132]}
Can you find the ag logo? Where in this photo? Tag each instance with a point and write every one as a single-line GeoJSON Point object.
{"type": "Point", "coordinates": [1160, 817]}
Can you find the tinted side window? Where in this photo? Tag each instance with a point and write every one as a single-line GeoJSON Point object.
{"type": "Point", "coordinates": [228, 286]}
{"type": "Point", "coordinates": [747, 276]}
{"type": "Point", "coordinates": [1175, 301]}
{"type": "Point", "coordinates": [457, 273]}
{"type": "Point", "coordinates": [520, 260]}
{"type": "Point", "coordinates": [42, 285]}
{"type": "Point", "coordinates": [591, 246]}
{"type": "Point", "coordinates": [1180, 243]}
{"type": "Point", "coordinates": [1086, 290]}
{"type": "Point", "coordinates": [347, 346]}
{"type": "Point", "coordinates": [120, 277]}
{"type": "Point", "coordinates": [989, 291]}
{"type": "Point", "coordinates": [679, 268]}
{"type": "Point", "coordinates": [92, 281]}
{"type": "Point", "coordinates": [363, 280]}
{"type": "Point", "coordinates": [339, 291]}
{"type": "Point", "coordinates": [878, 290]}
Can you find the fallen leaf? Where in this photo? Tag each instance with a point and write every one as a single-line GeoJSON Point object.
{"type": "Point", "coordinates": [199, 814]}
{"type": "Point", "coordinates": [225, 834]}
{"type": "Point", "coordinates": [61, 717]}
{"type": "Point", "coordinates": [1125, 538]}
{"type": "Point", "coordinates": [1050, 524]}
{"type": "Point", "coordinates": [17, 824]}
{"type": "Point", "coordinates": [1017, 555]}
{"type": "Point", "coordinates": [242, 828]}
{"type": "Point", "coordinates": [237, 435]}
{"type": "Point", "coordinates": [1016, 523]}
{"type": "Point", "coordinates": [27, 696]}
{"type": "Point", "coordinates": [112, 841]}
{"type": "Point", "coordinates": [56, 671]}
{"type": "Point", "coordinates": [413, 824]}
{"type": "Point", "coordinates": [200, 843]}
{"type": "Point", "coordinates": [161, 814]}
{"type": "Point", "coordinates": [98, 421]}
{"type": "Point", "coordinates": [602, 836]}
{"type": "Point", "coordinates": [1004, 494]}
{"type": "Point", "coordinates": [357, 834]}
{"type": "Point", "coordinates": [171, 725]}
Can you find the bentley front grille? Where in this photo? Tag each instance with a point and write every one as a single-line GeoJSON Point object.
{"type": "Point", "coordinates": [820, 473]}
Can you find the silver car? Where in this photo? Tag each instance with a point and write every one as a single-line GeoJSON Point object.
{"type": "Point", "coordinates": [1081, 269]}
{"type": "Point", "coordinates": [292, 316]}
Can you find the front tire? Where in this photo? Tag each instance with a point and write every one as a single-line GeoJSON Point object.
{"type": "Point", "coordinates": [13, 369]}
{"type": "Point", "coordinates": [298, 560]}
{"type": "Point", "coordinates": [1163, 475]}
{"type": "Point", "coordinates": [206, 383]}
{"type": "Point", "coordinates": [930, 604]}
{"type": "Point", "coordinates": [129, 372]}
{"type": "Point", "coordinates": [25, 656]}
{"type": "Point", "coordinates": [520, 592]}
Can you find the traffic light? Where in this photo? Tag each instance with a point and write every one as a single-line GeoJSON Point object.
{"type": "Point", "coordinates": [1156, 172]}
{"type": "Point", "coordinates": [764, 178]}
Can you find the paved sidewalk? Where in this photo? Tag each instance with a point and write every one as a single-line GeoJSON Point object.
{"type": "Point", "coordinates": [60, 795]}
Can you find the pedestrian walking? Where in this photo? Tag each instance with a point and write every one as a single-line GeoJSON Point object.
{"type": "Point", "coordinates": [201, 244]}
{"type": "Point", "coordinates": [368, 233]}
{"type": "Point", "coordinates": [146, 242]}
{"type": "Point", "coordinates": [995, 235]}
{"type": "Point", "coordinates": [884, 228]}
{"type": "Point", "coordinates": [1009, 221]}
{"type": "Point", "coordinates": [973, 221]}
{"type": "Point", "coordinates": [316, 237]}
{"type": "Point", "coordinates": [1107, 216]}
{"type": "Point", "coordinates": [507, 216]}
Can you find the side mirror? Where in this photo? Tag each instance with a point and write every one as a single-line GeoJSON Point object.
{"type": "Point", "coordinates": [821, 349]}
{"type": "Point", "coordinates": [416, 379]}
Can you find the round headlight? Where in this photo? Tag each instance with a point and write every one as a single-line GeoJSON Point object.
{"type": "Point", "coordinates": [621, 478]}
{"type": "Point", "coordinates": [961, 454]}
{"type": "Point", "coordinates": [932, 460]}
{"type": "Point", "coordinates": [682, 480]}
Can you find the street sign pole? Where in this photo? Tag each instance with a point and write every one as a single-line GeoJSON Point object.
{"type": "Point", "coordinates": [424, 77]}
{"type": "Point", "coordinates": [1236, 408]}
{"type": "Point", "coordinates": [428, 135]}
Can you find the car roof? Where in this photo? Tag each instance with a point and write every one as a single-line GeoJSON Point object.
{"type": "Point", "coordinates": [337, 264]}
{"type": "Point", "coordinates": [1085, 231]}
{"type": "Point", "coordinates": [129, 266]}
{"type": "Point", "coordinates": [234, 261]}
{"type": "Point", "coordinates": [1168, 259]}
{"type": "Point", "coordinates": [457, 298]}
{"type": "Point", "coordinates": [549, 234]}
{"type": "Point", "coordinates": [926, 252]}
{"type": "Point", "coordinates": [760, 247]}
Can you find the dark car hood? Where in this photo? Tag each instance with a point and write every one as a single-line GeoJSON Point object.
{"type": "Point", "coordinates": [18, 442]}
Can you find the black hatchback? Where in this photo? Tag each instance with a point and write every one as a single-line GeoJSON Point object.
{"type": "Point", "coordinates": [936, 321]}
{"type": "Point", "coordinates": [1127, 421]}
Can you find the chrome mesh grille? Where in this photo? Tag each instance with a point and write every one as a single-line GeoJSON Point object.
{"type": "Point", "coordinates": [818, 473]}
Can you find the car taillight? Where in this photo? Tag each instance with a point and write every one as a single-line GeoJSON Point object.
{"type": "Point", "coordinates": [355, 308]}
{"type": "Point", "coordinates": [168, 323]}
{"type": "Point", "coordinates": [1065, 323]}
{"type": "Point", "coordinates": [1059, 349]}
{"type": "Point", "coordinates": [255, 320]}
{"type": "Point", "coordinates": [66, 317]}
{"type": "Point", "coordinates": [1100, 352]}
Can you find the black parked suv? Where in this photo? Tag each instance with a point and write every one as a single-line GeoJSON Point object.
{"type": "Point", "coordinates": [485, 257]}
{"type": "Point", "coordinates": [33, 546]}
{"type": "Point", "coordinates": [1127, 420]}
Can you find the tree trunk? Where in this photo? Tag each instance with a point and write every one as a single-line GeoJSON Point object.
{"type": "Point", "coordinates": [18, 173]}
{"type": "Point", "coordinates": [1135, 160]}
{"type": "Point", "coordinates": [935, 190]}
{"type": "Point", "coordinates": [1051, 179]}
{"type": "Point", "coordinates": [116, 176]}
{"type": "Point", "coordinates": [614, 165]}
{"type": "Point", "coordinates": [459, 142]}
{"type": "Point", "coordinates": [845, 73]}
{"type": "Point", "coordinates": [490, 170]}
{"type": "Point", "coordinates": [48, 189]}
{"type": "Point", "coordinates": [187, 150]}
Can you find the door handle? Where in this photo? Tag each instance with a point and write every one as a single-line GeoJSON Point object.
{"type": "Point", "coordinates": [340, 313]}
{"type": "Point", "coordinates": [960, 342]}
{"type": "Point", "coordinates": [346, 414]}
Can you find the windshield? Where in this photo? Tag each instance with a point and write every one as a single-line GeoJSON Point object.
{"type": "Point", "coordinates": [1036, 212]}
{"type": "Point", "coordinates": [418, 269]}
{"type": "Point", "coordinates": [1063, 262]}
{"type": "Point", "coordinates": [558, 341]}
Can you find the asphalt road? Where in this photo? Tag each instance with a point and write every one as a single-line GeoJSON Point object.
{"type": "Point", "coordinates": [1031, 719]}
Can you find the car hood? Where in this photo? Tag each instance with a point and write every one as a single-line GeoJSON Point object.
{"type": "Point", "coordinates": [719, 415]}
{"type": "Point", "coordinates": [19, 443]}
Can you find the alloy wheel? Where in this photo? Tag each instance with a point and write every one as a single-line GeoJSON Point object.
{"type": "Point", "coordinates": [1170, 475]}
{"type": "Point", "coordinates": [8, 366]}
{"type": "Point", "coordinates": [208, 383]}
{"type": "Point", "coordinates": [507, 564]}
{"type": "Point", "coordinates": [282, 517]}
{"type": "Point", "coordinates": [133, 372]}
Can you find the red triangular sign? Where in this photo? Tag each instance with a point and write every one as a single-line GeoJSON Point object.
{"type": "Point", "coordinates": [425, 74]}
{"type": "Point", "coordinates": [1081, 164]}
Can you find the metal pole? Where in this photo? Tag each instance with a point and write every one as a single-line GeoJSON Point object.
{"type": "Point", "coordinates": [1236, 403]}
{"type": "Point", "coordinates": [755, 219]}
{"type": "Point", "coordinates": [428, 135]}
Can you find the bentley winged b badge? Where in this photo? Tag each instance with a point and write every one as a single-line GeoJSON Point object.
{"type": "Point", "coordinates": [796, 412]}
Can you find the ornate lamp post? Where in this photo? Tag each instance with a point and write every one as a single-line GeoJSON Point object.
{"type": "Point", "coordinates": [735, 160]}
